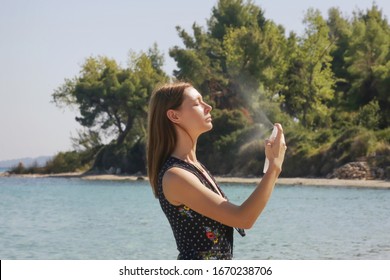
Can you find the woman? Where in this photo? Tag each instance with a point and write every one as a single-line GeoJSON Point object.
{"type": "Point", "coordinates": [201, 217]}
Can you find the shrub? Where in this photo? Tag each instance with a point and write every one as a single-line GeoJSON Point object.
{"type": "Point", "coordinates": [369, 115]}
{"type": "Point", "coordinates": [19, 169]}
{"type": "Point", "coordinates": [71, 161]}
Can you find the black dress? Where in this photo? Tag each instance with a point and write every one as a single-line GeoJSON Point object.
{"type": "Point", "coordinates": [197, 237]}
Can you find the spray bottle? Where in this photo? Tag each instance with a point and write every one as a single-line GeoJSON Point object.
{"type": "Point", "coordinates": [272, 137]}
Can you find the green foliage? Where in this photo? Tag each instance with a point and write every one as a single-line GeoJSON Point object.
{"type": "Point", "coordinates": [380, 157]}
{"type": "Point", "coordinates": [125, 158]}
{"type": "Point", "coordinates": [229, 14]}
{"type": "Point", "coordinates": [340, 31]}
{"type": "Point", "coordinates": [112, 102]}
{"type": "Point", "coordinates": [318, 153]}
{"type": "Point", "coordinates": [224, 140]}
{"type": "Point", "coordinates": [66, 162]}
{"type": "Point", "coordinates": [314, 78]}
{"type": "Point", "coordinates": [367, 59]}
{"type": "Point", "coordinates": [111, 98]}
{"type": "Point", "coordinates": [369, 115]}
{"type": "Point", "coordinates": [310, 80]}
{"type": "Point", "coordinates": [383, 135]}
{"type": "Point", "coordinates": [239, 53]}
{"type": "Point", "coordinates": [19, 169]}
{"type": "Point", "coordinates": [250, 158]}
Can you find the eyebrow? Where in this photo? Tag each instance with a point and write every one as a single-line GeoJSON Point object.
{"type": "Point", "coordinates": [199, 97]}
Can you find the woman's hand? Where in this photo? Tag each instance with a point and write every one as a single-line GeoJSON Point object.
{"type": "Point", "coordinates": [275, 150]}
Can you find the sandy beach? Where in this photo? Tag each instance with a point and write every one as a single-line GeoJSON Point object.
{"type": "Point", "coordinates": [320, 182]}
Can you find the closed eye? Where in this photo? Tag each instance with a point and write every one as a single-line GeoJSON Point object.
{"type": "Point", "coordinates": [198, 101]}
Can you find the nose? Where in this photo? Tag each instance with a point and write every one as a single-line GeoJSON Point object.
{"type": "Point", "coordinates": [208, 108]}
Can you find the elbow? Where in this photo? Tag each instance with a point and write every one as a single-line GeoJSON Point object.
{"type": "Point", "coordinates": [245, 218]}
{"type": "Point", "coordinates": [249, 220]}
{"type": "Point", "coordinates": [248, 224]}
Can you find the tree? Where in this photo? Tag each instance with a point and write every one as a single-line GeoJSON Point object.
{"type": "Point", "coordinates": [340, 31]}
{"type": "Point", "coordinates": [109, 98]}
{"type": "Point", "coordinates": [232, 14]}
{"type": "Point", "coordinates": [309, 80]}
{"type": "Point", "coordinates": [238, 58]}
{"type": "Point", "coordinates": [368, 61]}
{"type": "Point", "coordinates": [239, 62]}
{"type": "Point", "coordinates": [369, 115]}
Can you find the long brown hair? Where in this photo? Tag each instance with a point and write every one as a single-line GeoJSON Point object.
{"type": "Point", "coordinates": [161, 132]}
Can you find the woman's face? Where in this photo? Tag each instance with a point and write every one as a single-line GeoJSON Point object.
{"type": "Point", "coordinates": [194, 113]}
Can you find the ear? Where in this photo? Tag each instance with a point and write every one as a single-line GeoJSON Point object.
{"type": "Point", "coordinates": [173, 116]}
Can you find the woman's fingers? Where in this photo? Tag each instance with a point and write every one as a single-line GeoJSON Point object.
{"type": "Point", "coordinates": [279, 142]}
{"type": "Point", "coordinates": [279, 135]}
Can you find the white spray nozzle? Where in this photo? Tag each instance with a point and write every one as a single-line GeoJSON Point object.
{"type": "Point", "coordinates": [274, 133]}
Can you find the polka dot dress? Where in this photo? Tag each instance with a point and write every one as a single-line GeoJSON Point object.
{"type": "Point", "coordinates": [197, 237]}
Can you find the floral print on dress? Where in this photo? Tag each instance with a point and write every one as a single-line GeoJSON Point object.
{"type": "Point", "coordinates": [197, 237]}
{"type": "Point", "coordinates": [214, 255]}
{"type": "Point", "coordinates": [185, 211]}
{"type": "Point", "coordinates": [212, 235]}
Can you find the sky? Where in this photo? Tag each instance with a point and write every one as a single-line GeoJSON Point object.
{"type": "Point", "coordinates": [43, 42]}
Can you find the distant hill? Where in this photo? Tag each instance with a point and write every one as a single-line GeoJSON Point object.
{"type": "Point", "coordinates": [28, 161]}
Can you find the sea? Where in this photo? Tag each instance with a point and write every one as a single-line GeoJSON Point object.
{"type": "Point", "coordinates": [76, 219]}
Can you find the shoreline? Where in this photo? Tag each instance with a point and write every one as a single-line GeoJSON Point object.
{"type": "Point", "coordinates": [320, 182]}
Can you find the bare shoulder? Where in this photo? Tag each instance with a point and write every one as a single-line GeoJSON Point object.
{"type": "Point", "coordinates": [178, 178]}
{"type": "Point", "coordinates": [181, 186]}
{"type": "Point", "coordinates": [176, 183]}
{"type": "Point", "coordinates": [177, 174]}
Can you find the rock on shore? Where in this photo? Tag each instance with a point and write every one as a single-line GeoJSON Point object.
{"type": "Point", "coordinates": [359, 171]}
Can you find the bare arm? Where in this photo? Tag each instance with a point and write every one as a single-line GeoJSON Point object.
{"type": "Point", "coordinates": [183, 187]}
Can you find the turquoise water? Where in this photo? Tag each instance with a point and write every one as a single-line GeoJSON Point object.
{"type": "Point", "coordinates": [76, 219]}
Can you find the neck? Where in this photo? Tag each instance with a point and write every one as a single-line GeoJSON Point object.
{"type": "Point", "coordinates": [186, 146]}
